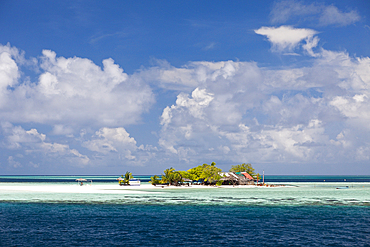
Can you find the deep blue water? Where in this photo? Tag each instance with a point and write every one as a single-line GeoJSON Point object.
{"type": "Point", "coordinates": [42, 224]}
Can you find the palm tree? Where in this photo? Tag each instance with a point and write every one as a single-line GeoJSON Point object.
{"type": "Point", "coordinates": [155, 180]}
{"type": "Point", "coordinates": [171, 176]}
{"type": "Point", "coordinates": [167, 177]}
{"type": "Point", "coordinates": [176, 177]}
{"type": "Point", "coordinates": [127, 178]}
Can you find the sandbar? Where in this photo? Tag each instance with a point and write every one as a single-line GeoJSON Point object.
{"type": "Point", "coordinates": [101, 188]}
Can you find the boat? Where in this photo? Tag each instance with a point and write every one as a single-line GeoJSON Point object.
{"type": "Point", "coordinates": [340, 188]}
{"type": "Point", "coordinates": [134, 182]}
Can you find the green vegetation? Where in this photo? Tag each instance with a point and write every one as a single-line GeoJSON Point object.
{"type": "Point", "coordinates": [257, 176]}
{"type": "Point", "coordinates": [243, 168]}
{"type": "Point", "coordinates": [205, 174]}
{"type": "Point", "coordinates": [171, 176]}
{"type": "Point", "coordinates": [155, 180]}
{"type": "Point", "coordinates": [126, 179]}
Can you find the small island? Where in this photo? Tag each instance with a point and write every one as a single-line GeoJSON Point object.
{"type": "Point", "coordinates": [208, 175]}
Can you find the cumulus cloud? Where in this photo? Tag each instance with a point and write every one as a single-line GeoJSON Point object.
{"type": "Point", "coordinates": [294, 144]}
{"type": "Point", "coordinates": [112, 140]}
{"type": "Point", "coordinates": [263, 115]}
{"type": "Point", "coordinates": [287, 38]}
{"type": "Point", "coordinates": [9, 72]}
{"type": "Point", "coordinates": [32, 142]}
{"type": "Point", "coordinates": [325, 15]}
{"type": "Point", "coordinates": [117, 144]}
{"type": "Point", "coordinates": [72, 92]}
{"type": "Point", "coordinates": [227, 111]}
{"type": "Point", "coordinates": [189, 76]}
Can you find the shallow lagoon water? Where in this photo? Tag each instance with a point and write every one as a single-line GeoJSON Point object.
{"type": "Point", "coordinates": [294, 194]}
{"type": "Point", "coordinates": [299, 214]}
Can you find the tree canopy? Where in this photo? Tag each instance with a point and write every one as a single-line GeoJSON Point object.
{"type": "Point", "coordinates": [243, 168]}
{"type": "Point", "coordinates": [171, 176]}
{"type": "Point", "coordinates": [155, 180]}
{"type": "Point", "coordinates": [205, 173]}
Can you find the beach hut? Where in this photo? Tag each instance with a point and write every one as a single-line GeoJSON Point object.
{"type": "Point", "coordinates": [244, 178]}
{"type": "Point", "coordinates": [247, 175]}
{"type": "Point", "coordinates": [229, 178]}
{"type": "Point", "coordinates": [236, 178]}
{"type": "Point", "coordinates": [81, 180]}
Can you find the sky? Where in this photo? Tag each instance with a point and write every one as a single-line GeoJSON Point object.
{"type": "Point", "coordinates": [105, 87]}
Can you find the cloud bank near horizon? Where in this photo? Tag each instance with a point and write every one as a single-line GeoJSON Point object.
{"type": "Point", "coordinates": [230, 111]}
{"type": "Point", "coordinates": [282, 116]}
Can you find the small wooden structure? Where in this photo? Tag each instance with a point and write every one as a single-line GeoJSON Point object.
{"type": "Point", "coordinates": [81, 180]}
{"type": "Point", "coordinates": [236, 178]}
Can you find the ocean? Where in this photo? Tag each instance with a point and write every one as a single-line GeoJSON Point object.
{"type": "Point", "coordinates": [306, 212]}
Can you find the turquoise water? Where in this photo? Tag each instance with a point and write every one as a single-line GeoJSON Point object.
{"type": "Point", "coordinates": [303, 194]}
{"type": "Point", "coordinates": [146, 178]}
{"type": "Point", "coordinates": [297, 214]}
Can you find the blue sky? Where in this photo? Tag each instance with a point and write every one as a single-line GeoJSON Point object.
{"type": "Point", "coordinates": [105, 87]}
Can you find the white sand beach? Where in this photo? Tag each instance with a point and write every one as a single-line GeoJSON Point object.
{"type": "Point", "coordinates": [112, 193]}
{"type": "Point", "coordinates": [102, 188]}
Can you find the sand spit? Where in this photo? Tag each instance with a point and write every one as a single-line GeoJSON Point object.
{"type": "Point", "coordinates": [103, 189]}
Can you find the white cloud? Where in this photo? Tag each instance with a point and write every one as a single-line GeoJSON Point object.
{"type": "Point", "coordinates": [287, 38]}
{"type": "Point", "coordinates": [210, 46]}
{"type": "Point", "coordinates": [278, 143]}
{"type": "Point", "coordinates": [199, 100]}
{"type": "Point", "coordinates": [33, 142]}
{"type": "Point", "coordinates": [72, 92]}
{"type": "Point", "coordinates": [324, 15]}
{"type": "Point", "coordinates": [274, 116]}
{"type": "Point", "coordinates": [311, 43]}
{"type": "Point", "coordinates": [356, 109]}
{"type": "Point", "coordinates": [60, 129]}
{"type": "Point", "coordinates": [112, 140]}
{"type": "Point", "coordinates": [228, 91]}
{"type": "Point", "coordinates": [332, 16]}
{"type": "Point", "coordinates": [226, 111]}
{"type": "Point", "coordinates": [284, 10]}
{"type": "Point", "coordinates": [117, 144]}
{"type": "Point", "coordinates": [190, 76]}
{"type": "Point", "coordinates": [8, 71]}
{"type": "Point", "coordinates": [13, 163]}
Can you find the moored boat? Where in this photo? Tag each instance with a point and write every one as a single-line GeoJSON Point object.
{"type": "Point", "coordinates": [339, 188]}
{"type": "Point", "coordinates": [134, 182]}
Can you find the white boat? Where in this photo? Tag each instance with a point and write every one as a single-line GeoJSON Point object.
{"type": "Point", "coordinates": [134, 182]}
